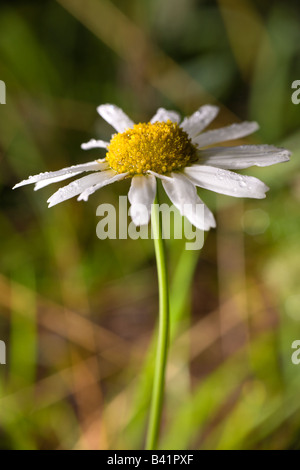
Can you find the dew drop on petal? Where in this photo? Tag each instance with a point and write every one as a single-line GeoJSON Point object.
{"type": "Point", "coordinates": [220, 174]}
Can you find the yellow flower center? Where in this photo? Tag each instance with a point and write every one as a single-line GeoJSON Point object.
{"type": "Point", "coordinates": [161, 147]}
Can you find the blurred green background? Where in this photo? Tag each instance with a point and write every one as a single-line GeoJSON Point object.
{"type": "Point", "coordinates": [78, 314]}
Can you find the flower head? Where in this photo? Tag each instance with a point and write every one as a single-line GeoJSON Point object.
{"type": "Point", "coordinates": [162, 147]}
{"type": "Point", "coordinates": [173, 151]}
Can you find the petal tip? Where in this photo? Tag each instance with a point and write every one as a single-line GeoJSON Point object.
{"type": "Point", "coordinates": [83, 197]}
{"type": "Point", "coordinates": [105, 107]}
{"type": "Point", "coordinates": [286, 154]}
{"type": "Point", "coordinates": [255, 125]}
{"type": "Point", "coordinates": [213, 107]}
{"type": "Point", "coordinates": [21, 183]}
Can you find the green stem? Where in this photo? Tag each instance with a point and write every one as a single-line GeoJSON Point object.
{"type": "Point", "coordinates": [163, 330]}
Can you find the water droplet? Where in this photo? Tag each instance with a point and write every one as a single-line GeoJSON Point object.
{"type": "Point", "coordinates": [220, 174]}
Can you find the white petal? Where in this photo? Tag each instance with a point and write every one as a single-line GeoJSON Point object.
{"type": "Point", "coordinates": [115, 117]}
{"type": "Point", "coordinates": [243, 156]}
{"type": "Point", "coordinates": [199, 120]}
{"type": "Point", "coordinates": [67, 172]}
{"type": "Point", "coordinates": [226, 182]}
{"type": "Point", "coordinates": [158, 175]}
{"type": "Point", "coordinates": [43, 183]}
{"type": "Point", "coordinates": [234, 131]}
{"type": "Point", "coordinates": [141, 196]}
{"type": "Point", "coordinates": [183, 195]}
{"type": "Point", "coordinates": [108, 177]}
{"type": "Point", "coordinates": [93, 144]}
{"type": "Point", "coordinates": [163, 115]}
{"type": "Point", "coordinates": [76, 187]}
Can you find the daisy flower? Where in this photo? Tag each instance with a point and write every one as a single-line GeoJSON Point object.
{"type": "Point", "coordinates": [175, 152]}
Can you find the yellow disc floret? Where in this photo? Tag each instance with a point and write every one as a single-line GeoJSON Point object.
{"type": "Point", "coordinates": [161, 147]}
